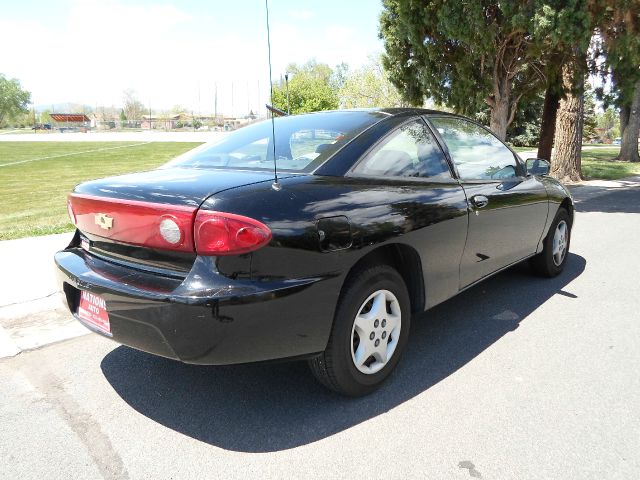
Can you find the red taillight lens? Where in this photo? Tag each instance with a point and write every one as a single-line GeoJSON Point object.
{"type": "Point", "coordinates": [218, 233]}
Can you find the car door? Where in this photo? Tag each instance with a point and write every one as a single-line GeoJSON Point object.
{"type": "Point", "coordinates": [405, 186]}
{"type": "Point", "coordinates": [507, 208]}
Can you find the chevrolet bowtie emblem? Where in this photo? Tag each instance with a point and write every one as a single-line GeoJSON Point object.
{"type": "Point", "coordinates": [104, 221]}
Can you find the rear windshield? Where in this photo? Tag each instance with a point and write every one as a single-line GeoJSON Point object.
{"type": "Point", "coordinates": [303, 142]}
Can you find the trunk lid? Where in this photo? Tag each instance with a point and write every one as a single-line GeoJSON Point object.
{"type": "Point", "coordinates": [173, 186]}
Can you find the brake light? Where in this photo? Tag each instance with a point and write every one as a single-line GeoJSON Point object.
{"type": "Point", "coordinates": [218, 233]}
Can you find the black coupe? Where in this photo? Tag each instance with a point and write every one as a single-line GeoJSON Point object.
{"type": "Point", "coordinates": [374, 215]}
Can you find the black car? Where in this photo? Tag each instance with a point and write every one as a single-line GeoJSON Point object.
{"type": "Point", "coordinates": [375, 215]}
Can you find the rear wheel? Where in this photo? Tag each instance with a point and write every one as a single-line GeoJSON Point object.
{"type": "Point", "coordinates": [551, 261]}
{"type": "Point", "coordinates": [369, 333]}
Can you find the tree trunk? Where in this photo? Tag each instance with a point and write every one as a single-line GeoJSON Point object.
{"type": "Point", "coordinates": [548, 127]}
{"type": "Point", "coordinates": [566, 160]}
{"type": "Point", "coordinates": [625, 111]}
{"type": "Point", "coordinates": [629, 145]}
{"type": "Point", "coordinates": [500, 117]}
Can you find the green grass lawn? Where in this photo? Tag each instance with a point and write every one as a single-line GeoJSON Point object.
{"type": "Point", "coordinates": [524, 149]}
{"type": "Point", "coordinates": [34, 188]}
{"type": "Point", "coordinates": [601, 164]}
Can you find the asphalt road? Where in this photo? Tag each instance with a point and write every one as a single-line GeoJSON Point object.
{"type": "Point", "coordinates": [518, 378]}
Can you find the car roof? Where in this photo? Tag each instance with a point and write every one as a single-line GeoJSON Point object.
{"type": "Point", "coordinates": [390, 111]}
{"type": "Point", "coordinates": [413, 111]}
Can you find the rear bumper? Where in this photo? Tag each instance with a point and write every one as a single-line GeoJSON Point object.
{"type": "Point", "coordinates": [205, 318]}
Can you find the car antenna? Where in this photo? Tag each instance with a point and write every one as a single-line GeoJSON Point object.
{"type": "Point", "coordinates": [275, 185]}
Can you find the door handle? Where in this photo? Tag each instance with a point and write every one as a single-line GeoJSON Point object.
{"type": "Point", "coordinates": [479, 201]}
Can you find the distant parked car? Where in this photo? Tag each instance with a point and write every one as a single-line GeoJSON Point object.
{"type": "Point", "coordinates": [42, 126]}
{"type": "Point", "coordinates": [617, 141]}
{"type": "Point", "coordinates": [376, 215]}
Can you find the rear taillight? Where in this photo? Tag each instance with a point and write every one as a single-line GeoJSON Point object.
{"type": "Point", "coordinates": [218, 233]}
{"type": "Point", "coordinates": [167, 227]}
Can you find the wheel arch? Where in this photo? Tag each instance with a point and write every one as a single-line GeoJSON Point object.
{"type": "Point", "coordinates": [558, 196]}
{"type": "Point", "coordinates": [406, 260]}
{"type": "Point", "coordinates": [567, 204]}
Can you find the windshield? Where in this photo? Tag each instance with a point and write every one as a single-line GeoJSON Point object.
{"type": "Point", "coordinates": [303, 142]}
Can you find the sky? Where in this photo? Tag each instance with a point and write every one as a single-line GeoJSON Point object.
{"type": "Point", "coordinates": [176, 52]}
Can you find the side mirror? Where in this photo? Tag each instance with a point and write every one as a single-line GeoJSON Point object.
{"type": "Point", "coordinates": [538, 166]}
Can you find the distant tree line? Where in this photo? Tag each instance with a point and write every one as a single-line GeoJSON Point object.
{"type": "Point", "coordinates": [316, 86]}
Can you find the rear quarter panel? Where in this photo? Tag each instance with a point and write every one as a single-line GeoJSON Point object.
{"type": "Point", "coordinates": [429, 217]}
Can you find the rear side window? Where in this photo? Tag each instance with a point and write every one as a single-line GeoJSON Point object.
{"type": "Point", "coordinates": [410, 151]}
{"type": "Point", "coordinates": [476, 152]}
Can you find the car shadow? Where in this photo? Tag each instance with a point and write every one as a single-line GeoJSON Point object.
{"type": "Point", "coordinates": [277, 406]}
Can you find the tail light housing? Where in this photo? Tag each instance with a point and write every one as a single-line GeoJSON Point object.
{"type": "Point", "coordinates": [167, 227]}
{"type": "Point", "coordinates": [218, 233]}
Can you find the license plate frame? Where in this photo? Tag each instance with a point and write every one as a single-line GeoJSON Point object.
{"type": "Point", "coordinates": [92, 310]}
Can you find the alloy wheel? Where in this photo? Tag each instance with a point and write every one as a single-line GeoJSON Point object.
{"type": "Point", "coordinates": [376, 331]}
{"type": "Point", "coordinates": [560, 240]}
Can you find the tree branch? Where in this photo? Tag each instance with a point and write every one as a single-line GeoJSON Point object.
{"type": "Point", "coordinates": [514, 109]}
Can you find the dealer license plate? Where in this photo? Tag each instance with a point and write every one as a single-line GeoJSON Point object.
{"type": "Point", "coordinates": [93, 310]}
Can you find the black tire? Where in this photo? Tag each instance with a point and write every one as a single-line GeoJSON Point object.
{"type": "Point", "coordinates": [335, 367]}
{"type": "Point", "coordinates": [543, 264]}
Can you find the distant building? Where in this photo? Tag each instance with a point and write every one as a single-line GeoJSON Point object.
{"type": "Point", "coordinates": [185, 120]}
{"type": "Point", "coordinates": [71, 121]}
{"type": "Point", "coordinates": [167, 122]}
